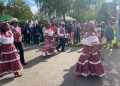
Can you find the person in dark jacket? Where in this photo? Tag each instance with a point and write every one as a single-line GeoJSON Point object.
{"type": "Point", "coordinates": [27, 34]}
{"type": "Point", "coordinates": [37, 34]}
{"type": "Point", "coordinates": [109, 35]}
{"type": "Point", "coordinates": [77, 32]}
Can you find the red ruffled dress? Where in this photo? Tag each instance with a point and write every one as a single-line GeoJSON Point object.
{"type": "Point", "coordinates": [89, 62]}
{"type": "Point", "coordinates": [9, 57]}
{"type": "Point", "coordinates": [49, 44]}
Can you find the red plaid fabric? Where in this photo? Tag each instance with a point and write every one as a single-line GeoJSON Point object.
{"type": "Point", "coordinates": [17, 34]}
{"type": "Point", "coordinates": [9, 59]}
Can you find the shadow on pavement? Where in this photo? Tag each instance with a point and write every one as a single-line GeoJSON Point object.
{"type": "Point", "coordinates": [112, 73]}
{"type": "Point", "coordinates": [112, 67]}
{"type": "Point", "coordinates": [36, 61]}
{"type": "Point", "coordinates": [6, 80]}
{"type": "Point", "coordinates": [71, 80]}
{"type": "Point", "coordinates": [31, 47]}
{"type": "Point", "coordinates": [72, 49]}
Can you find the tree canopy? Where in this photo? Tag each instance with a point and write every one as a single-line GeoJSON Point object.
{"type": "Point", "coordinates": [16, 8]}
{"type": "Point", "coordinates": [80, 9]}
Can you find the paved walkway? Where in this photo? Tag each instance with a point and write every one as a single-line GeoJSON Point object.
{"type": "Point", "coordinates": [59, 71]}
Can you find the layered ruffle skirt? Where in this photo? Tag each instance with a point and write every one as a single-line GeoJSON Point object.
{"type": "Point", "coordinates": [89, 63]}
{"type": "Point", "coordinates": [9, 59]}
{"type": "Point", "coordinates": [49, 47]}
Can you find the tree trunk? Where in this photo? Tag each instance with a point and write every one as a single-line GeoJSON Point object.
{"type": "Point", "coordinates": [64, 17]}
{"type": "Point", "coordinates": [114, 8]}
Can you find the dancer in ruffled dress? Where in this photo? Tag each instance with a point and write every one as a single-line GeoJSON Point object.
{"type": "Point", "coordinates": [89, 62]}
{"type": "Point", "coordinates": [9, 57]}
{"type": "Point", "coordinates": [49, 44]}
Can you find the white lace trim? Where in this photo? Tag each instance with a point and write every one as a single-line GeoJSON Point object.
{"type": "Point", "coordinates": [87, 61]}
{"type": "Point", "coordinates": [8, 52]}
{"type": "Point", "coordinates": [83, 62]}
{"type": "Point", "coordinates": [2, 62]}
{"type": "Point", "coordinates": [82, 54]}
{"type": "Point", "coordinates": [84, 74]}
{"type": "Point", "coordinates": [98, 62]}
{"type": "Point", "coordinates": [49, 53]}
{"type": "Point", "coordinates": [95, 53]}
{"type": "Point", "coordinates": [12, 71]}
{"type": "Point", "coordinates": [43, 54]}
{"type": "Point", "coordinates": [55, 51]}
{"type": "Point", "coordinates": [93, 74]}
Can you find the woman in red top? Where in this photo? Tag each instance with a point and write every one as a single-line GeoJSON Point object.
{"type": "Point", "coordinates": [18, 39]}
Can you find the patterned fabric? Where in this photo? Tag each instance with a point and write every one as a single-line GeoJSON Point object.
{"type": "Point", "coordinates": [61, 32]}
{"type": "Point", "coordinates": [89, 63]}
{"type": "Point", "coordinates": [17, 34]}
{"type": "Point", "coordinates": [49, 44]}
{"type": "Point", "coordinates": [9, 57]}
